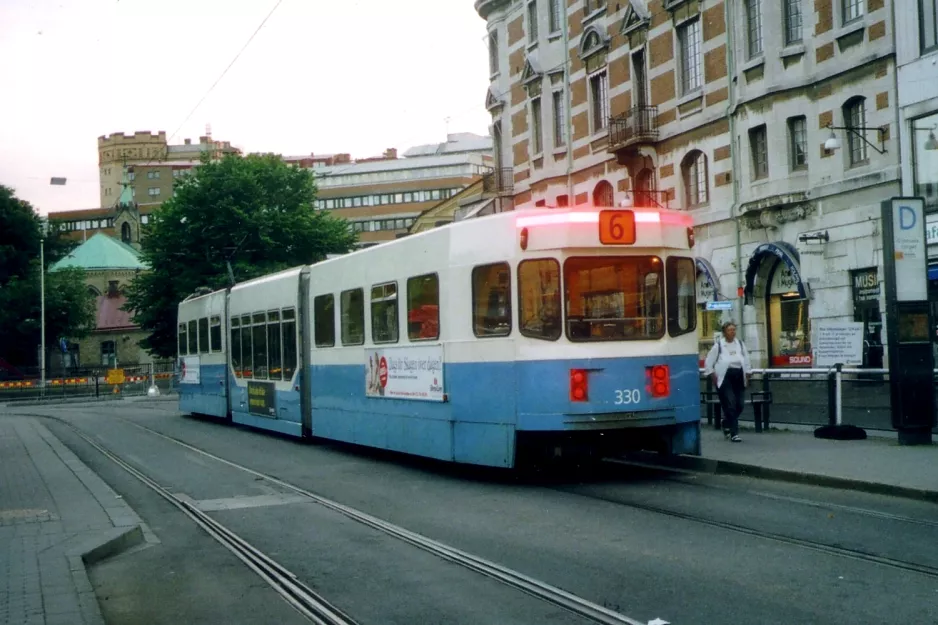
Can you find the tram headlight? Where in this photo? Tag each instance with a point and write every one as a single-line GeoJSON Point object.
{"type": "Point", "coordinates": [579, 385]}
{"type": "Point", "coordinates": [659, 380]}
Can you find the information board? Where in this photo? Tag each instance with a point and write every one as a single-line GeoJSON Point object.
{"type": "Point", "coordinates": [261, 399]}
{"type": "Point", "coordinates": [838, 342]}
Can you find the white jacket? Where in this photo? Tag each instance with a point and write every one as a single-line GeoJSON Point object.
{"type": "Point", "coordinates": [717, 361]}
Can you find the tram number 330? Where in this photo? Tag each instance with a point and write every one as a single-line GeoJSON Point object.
{"type": "Point", "coordinates": [628, 396]}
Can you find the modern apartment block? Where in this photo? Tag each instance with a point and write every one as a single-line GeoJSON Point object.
{"type": "Point", "coordinates": [381, 198]}
{"type": "Point", "coordinates": [724, 109]}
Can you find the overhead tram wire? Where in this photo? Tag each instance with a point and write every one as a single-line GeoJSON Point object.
{"type": "Point", "coordinates": [218, 80]}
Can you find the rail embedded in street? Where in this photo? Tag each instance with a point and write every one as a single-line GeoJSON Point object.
{"type": "Point", "coordinates": [306, 600]}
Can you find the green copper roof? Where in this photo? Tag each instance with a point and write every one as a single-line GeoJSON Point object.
{"type": "Point", "coordinates": [101, 252]}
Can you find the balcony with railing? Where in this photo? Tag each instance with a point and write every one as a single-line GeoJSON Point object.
{"type": "Point", "coordinates": [499, 181]}
{"type": "Point", "coordinates": [637, 126]}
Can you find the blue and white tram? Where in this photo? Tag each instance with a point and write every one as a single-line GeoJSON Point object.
{"type": "Point", "coordinates": [542, 331]}
{"type": "Point", "coordinates": [203, 354]}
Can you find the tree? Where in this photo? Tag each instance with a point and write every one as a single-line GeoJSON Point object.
{"type": "Point", "coordinates": [255, 211]}
{"type": "Point", "coordinates": [69, 305]}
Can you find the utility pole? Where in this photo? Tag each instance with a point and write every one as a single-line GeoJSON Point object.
{"type": "Point", "coordinates": [42, 323]}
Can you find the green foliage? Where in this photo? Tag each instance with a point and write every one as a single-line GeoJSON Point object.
{"type": "Point", "coordinates": [256, 211]}
{"type": "Point", "coordinates": [69, 306]}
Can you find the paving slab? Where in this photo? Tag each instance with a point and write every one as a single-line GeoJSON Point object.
{"type": "Point", "coordinates": [877, 464]}
{"type": "Point", "coordinates": [56, 516]}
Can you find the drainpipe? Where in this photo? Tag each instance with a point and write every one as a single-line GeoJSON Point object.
{"type": "Point", "coordinates": [568, 101]}
{"type": "Point", "coordinates": [734, 152]}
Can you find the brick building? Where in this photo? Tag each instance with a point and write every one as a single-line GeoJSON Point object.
{"type": "Point", "coordinates": [722, 109]}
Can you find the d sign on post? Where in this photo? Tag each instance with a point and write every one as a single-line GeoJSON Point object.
{"type": "Point", "coordinates": [908, 320]}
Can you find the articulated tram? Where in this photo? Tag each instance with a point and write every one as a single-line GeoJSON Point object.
{"type": "Point", "coordinates": [489, 341]}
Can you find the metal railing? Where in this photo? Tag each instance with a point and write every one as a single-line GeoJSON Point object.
{"type": "Point", "coordinates": [811, 397]}
{"type": "Point", "coordinates": [500, 181]}
{"type": "Point", "coordinates": [88, 382]}
{"type": "Point", "coordinates": [637, 125]}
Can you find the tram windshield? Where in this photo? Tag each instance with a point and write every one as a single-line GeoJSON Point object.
{"type": "Point", "coordinates": [614, 298]}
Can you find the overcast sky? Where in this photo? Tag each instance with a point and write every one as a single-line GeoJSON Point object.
{"type": "Point", "coordinates": [322, 76]}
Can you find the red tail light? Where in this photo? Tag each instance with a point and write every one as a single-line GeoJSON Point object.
{"type": "Point", "coordinates": [579, 385]}
{"type": "Point", "coordinates": [659, 380]}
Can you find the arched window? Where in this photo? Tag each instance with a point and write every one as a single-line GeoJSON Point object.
{"type": "Point", "coordinates": [93, 292]}
{"type": "Point", "coordinates": [125, 232]}
{"type": "Point", "coordinates": [644, 186]}
{"type": "Point", "coordinates": [855, 117]}
{"type": "Point", "coordinates": [603, 195]}
{"type": "Point", "coordinates": [694, 172]}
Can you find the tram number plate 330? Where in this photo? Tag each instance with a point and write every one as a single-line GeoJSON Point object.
{"type": "Point", "coordinates": [628, 396]}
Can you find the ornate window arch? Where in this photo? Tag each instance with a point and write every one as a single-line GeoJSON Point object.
{"type": "Point", "coordinates": [643, 188]}
{"type": "Point", "coordinates": [694, 175]}
{"type": "Point", "coordinates": [603, 195]}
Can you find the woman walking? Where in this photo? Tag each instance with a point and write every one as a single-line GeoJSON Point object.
{"type": "Point", "coordinates": [728, 364]}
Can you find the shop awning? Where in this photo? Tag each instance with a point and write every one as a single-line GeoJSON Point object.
{"type": "Point", "coordinates": [786, 253]}
{"type": "Point", "coordinates": [705, 269]}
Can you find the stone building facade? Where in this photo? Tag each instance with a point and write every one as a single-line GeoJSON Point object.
{"type": "Point", "coordinates": [722, 109]}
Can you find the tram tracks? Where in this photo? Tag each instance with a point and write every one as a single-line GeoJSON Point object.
{"type": "Point", "coordinates": [309, 603]}
{"type": "Point", "coordinates": [835, 550]}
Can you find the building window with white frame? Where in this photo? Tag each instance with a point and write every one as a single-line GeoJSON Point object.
{"type": "Point", "coordinates": [560, 127]}
{"type": "Point", "coordinates": [855, 120]}
{"type": "Point", "coordinates": [754, 27]}
{"type": "Point", "coordinates": [852, 10]}
{"type": "Point", "coordinates": [758, 146]}
{"type": "Point", "coordinates": [928, 24]}
{"type": "Point", "coordinates": [793, 21]}
{"type": "Point", "coordinates": [798, 142]}
{"type": "Point", "coordinates": [153, 175]}
{"type": "Point", "coordinates": [537, 130]}
{"type": "Point", "coordinates": [554, 9]}
{"type": "Point", "coordinates": [599, 100]}
{"type": "Point", "coordinates": [532, 22]}
{"type": "Point", "coordinates": [694, 173]}
{"type": "Point", "coordinates": [153, 191]}
{"type": "Point", "coordinates": [493, 53]}
{"type": "Point", "coordinates": [689, 40]}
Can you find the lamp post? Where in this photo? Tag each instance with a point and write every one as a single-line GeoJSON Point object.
{"type": "Point", "coordinates": [42, 323]}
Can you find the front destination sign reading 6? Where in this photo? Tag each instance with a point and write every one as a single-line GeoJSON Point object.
{"type": "Point", "coordinates": [617, 227]}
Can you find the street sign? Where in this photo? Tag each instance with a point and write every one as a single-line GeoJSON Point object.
{"type": "Point", "coordinates": [723, 304]}
{"type": "Point", "coordinates": [115, 376]}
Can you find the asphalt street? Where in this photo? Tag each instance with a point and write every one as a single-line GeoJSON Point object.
{"type": "Point", "coordinates": [683, 548]}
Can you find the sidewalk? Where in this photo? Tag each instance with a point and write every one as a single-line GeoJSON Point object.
{"type": "Point", "coordinates": [56, 516]}
{"type": "Point", "coordinates": [877, 465]}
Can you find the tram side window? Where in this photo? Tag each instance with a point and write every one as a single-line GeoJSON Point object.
{"type": "Point", "coordinates": [491, 300]}
{"type": "Point", "coordinates": [203, 335]}
{"type": "Point", "coordinates": [234, 346]}
{"type": "Point", "coordinates": [183, 345]}
{"type": "Point", "coordinates": [682, 295]}
{"type": "Point", "coordinates": [423, 308]}
{"type": "Point", "coordinates": [614, 298]}
{"type": "Point", "coordinates": [193, 337]}
{"type": "Point", "coordinates": [539, 299]}
{"type": "Point", "coordinates": [384, 324]}
{"type": "Point", "coordinates": [259, 330]}
{"type": "Point", "coordinates": [289, 343]}
{"type": "Point", "coordinates": [247, 347]}
{"type": "Point", "coordinates": [353, 316]}
{"type": "Point", "coordinates": [273, 345]}
{"type": "Point", "coordinates": [324, 320]}
{"type": "Point", "coordinates": [216, 333]}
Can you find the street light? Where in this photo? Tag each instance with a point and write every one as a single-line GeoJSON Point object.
{"type": "Point", "coordinates": [42, 299]}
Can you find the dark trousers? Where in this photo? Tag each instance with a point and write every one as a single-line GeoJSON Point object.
{"type": "Point", "coordinates": [732, 399]}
